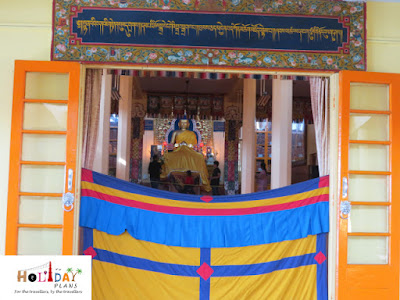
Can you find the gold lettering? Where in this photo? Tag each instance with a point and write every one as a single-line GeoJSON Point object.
{"type": "Point", "coordinates": [220, 30]}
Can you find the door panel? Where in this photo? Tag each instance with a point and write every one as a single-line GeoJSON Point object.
{"type": "Point", "coordinates": [47, 85]}
{"type": "Point", "coordinates": [369, 127]}
{"type": "Point", "coordinates": [368, 188]}
{"type": "Point", "coordinates": [366, 250]}
{"type": "Point", "coordinates": [40, 210]}
{"type": "Point", "coordinates": [369, 146]}
{"type": "Point", "coordinates": [361, 216]}
{"type": "Point", "coordinates": [45, 116]}
{"type": "Point", "coordinates": [39, 241]}
{"type": "Point", "coordinates": [43, 150]}
{"type": "Point", "coordinates": [44, 147]}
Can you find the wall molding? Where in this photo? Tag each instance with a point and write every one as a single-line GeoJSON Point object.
{"type": "Point", "coordinates": [383, 40]}
{"type": "Point", "coordinates": [17, 25]}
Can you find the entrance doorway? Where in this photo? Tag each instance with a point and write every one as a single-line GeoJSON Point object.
{"type": "Point", "coordinates": [60, 236]}
{"type": "Point", "coordinates": [158, 102]}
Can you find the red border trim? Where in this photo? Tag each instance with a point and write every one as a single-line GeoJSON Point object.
{"type": "Point", "coordinates": [52, 30]}
{"type": "Point", "coordinates": [365, 36]}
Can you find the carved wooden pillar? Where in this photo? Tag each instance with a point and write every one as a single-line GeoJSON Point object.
{"type": "Point", "coordinates": [232, 126]}
{"type": "Point", "coordinates": [138, 114]}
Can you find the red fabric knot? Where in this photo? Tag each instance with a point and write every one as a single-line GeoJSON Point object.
{"type": "Point", "coordinates": [205, 271]}
{"type": "Point", "coordinates": [206, 198]}
{"type": "Point", "coordinates": [320, 257]}
{"type": "Point", "coordinates": [87, 175]}
{"type": "Point", "coordinates": [90, 251]}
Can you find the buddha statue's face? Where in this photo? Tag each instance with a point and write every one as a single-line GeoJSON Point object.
{"type": "Point", "coordinates": [184, 124]}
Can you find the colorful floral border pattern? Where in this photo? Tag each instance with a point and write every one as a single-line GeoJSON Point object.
{"type": "Point", "coordinates": [354, 60]}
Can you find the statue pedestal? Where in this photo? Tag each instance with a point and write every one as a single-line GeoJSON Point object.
{"type": "Point", "coordinates": [183, 159]}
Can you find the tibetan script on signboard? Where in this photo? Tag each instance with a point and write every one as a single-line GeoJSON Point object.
{"type": "Point", "coordinates": [234, 31]}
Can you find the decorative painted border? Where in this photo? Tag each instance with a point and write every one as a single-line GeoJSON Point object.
{"type": "Point", "coordinates": [351, 57]}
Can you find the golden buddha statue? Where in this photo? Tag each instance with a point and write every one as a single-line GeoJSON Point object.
{"type": "Point", "coordinates": [183, 157]}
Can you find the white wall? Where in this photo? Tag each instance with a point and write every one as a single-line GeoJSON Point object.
{"type": "Point", "coordinates": [383, 37]}
{"type": "Point", "coordinates": [25, 33]}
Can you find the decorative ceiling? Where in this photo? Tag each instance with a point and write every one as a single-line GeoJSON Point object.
{"type": "Point", "coordinates": [171, 85]}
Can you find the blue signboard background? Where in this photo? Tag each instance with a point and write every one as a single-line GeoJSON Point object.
{"type": "Point", "coordinates": [104, 34]}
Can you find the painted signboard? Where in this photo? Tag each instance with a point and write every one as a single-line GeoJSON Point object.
{"type": "Point", "coordinates": [312, 34]}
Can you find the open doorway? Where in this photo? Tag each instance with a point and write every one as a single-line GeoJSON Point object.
{"type": "Point", "coordinates": [303, 145]}
{"type": "Point", "coordinates": [160, 100]}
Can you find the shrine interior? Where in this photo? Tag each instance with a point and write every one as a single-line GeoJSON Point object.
{"type": "Point", "coordinates": [145, 111]}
